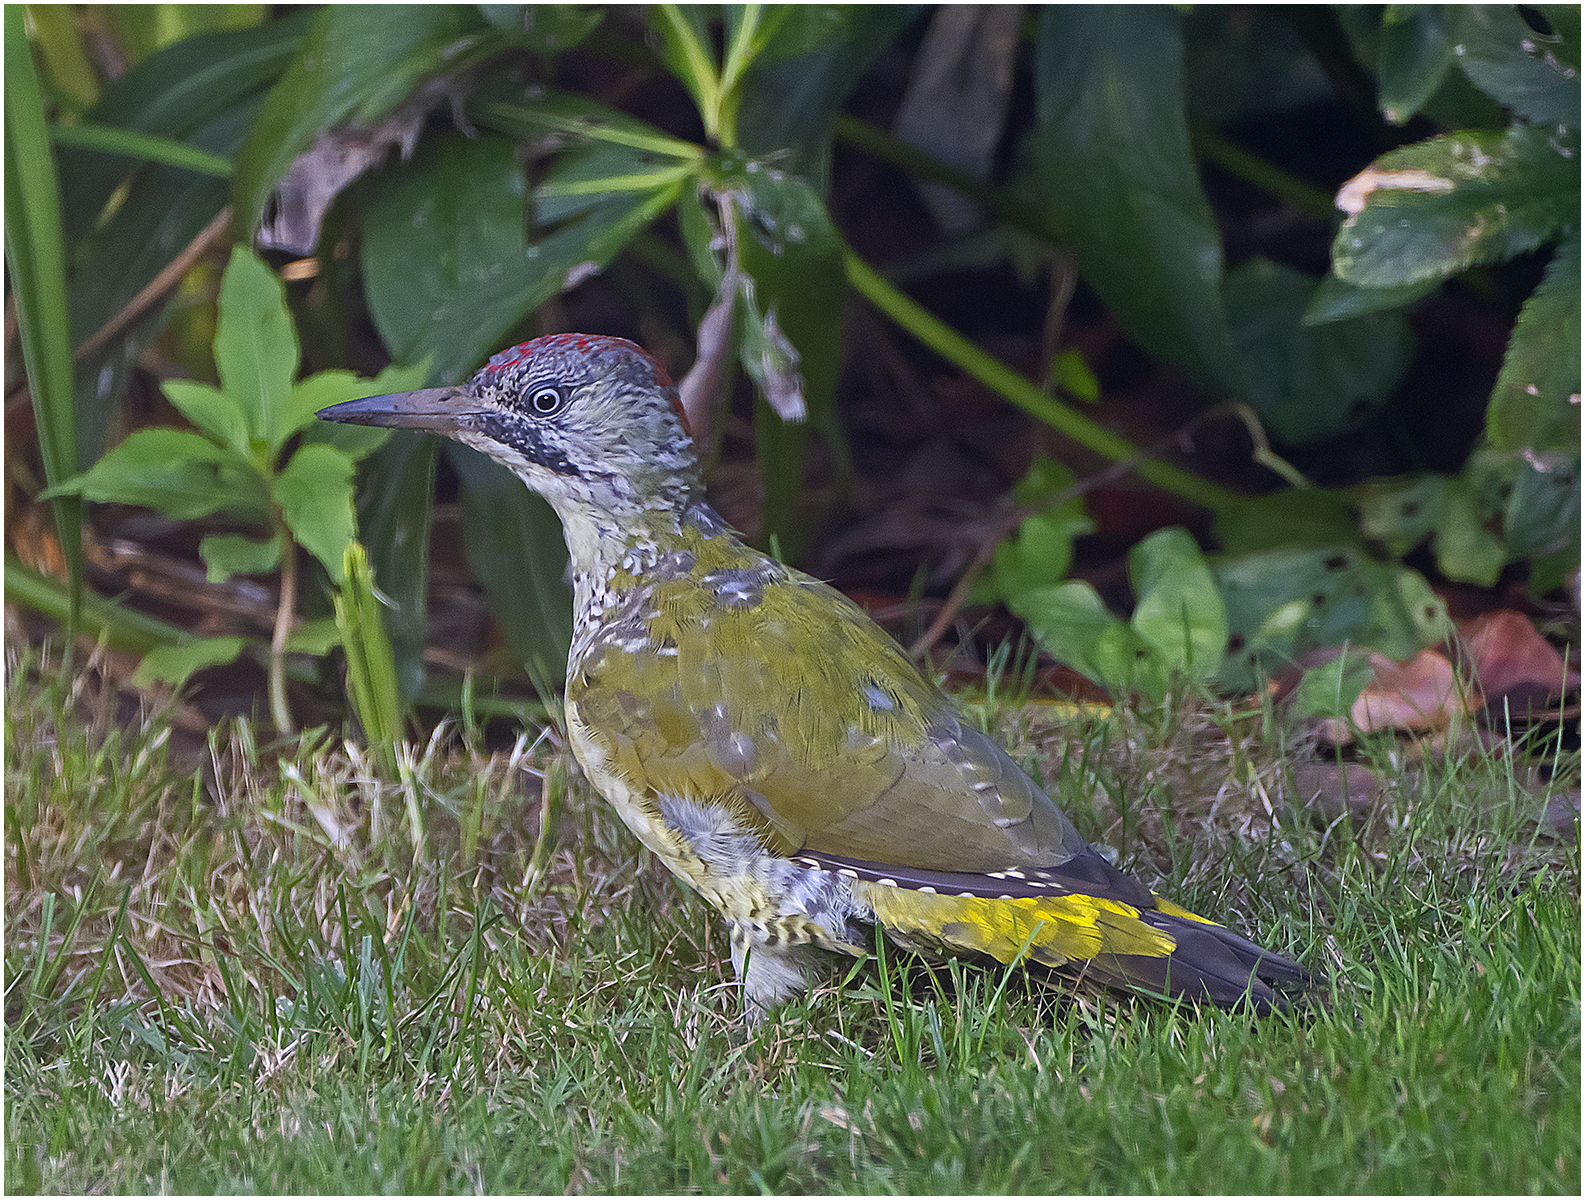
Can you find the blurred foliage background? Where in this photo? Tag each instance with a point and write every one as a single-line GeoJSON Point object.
{"type": "Point", "coordinates": [1261, 324]}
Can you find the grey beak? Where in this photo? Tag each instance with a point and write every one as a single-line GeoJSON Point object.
{"type": "Point", "coordinates": [441, 409]}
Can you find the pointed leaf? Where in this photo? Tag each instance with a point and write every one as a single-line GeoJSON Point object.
{"type": "Point", "coordinates": [1438, 206]}
{"type": "Point", "coordinates": [1310, 382]}
{"type": "Point", "coordinates": [1179, 608]}
{"type": "Point", "coordinates": [445, 265]}
{"type": "Point", "coordinates": [1111, 174]}
{"type": "Point", "coordinates": [315, 495]}
{"type": "Point", "coordinates": [1413, 58]}
{"type": "Point", "coordinates": [215, 412]}
{"type": "Point", "coordinates": [255, 345]}
{"type": "Point", "coordinates": [1536, 403]}
{"type": "Point", "coordinates": [371, 671]}
{"type": "Point", "coordinates": [173, 470]}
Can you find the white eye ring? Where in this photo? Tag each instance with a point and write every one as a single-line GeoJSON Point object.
{"type": "Point", "coordinates": [545, 400]}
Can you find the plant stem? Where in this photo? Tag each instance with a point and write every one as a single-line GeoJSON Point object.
{"type": "Point", "coordinates": [1000, 378]}
{"type": "Point", "coordinates": [1252, 169]}
{"type": "Point", "coordinates": [279, 712]}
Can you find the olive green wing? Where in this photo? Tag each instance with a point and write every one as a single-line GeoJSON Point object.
{"type": "Point", "coordinates": [766, 689]}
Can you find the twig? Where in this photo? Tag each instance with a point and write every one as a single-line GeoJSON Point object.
{"type": "Point", "coordinates": [169, 276]}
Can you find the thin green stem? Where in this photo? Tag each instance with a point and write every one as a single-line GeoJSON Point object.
{"type": "Point", "coordinates": [146, 146]}
{"type": "Point", "coordinates": [280, 712]}
{"type": "Point", "coordinates": [1252, 169]}
{"type": "Point", "coordinates": [1013, 387]}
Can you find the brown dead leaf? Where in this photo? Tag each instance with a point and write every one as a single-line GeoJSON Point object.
{"type": "Point", "coordinates": [1421, 694]}
{"type": "Point", "coordinates": [1516, 667]}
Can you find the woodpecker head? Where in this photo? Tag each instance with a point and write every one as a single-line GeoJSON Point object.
{"type": "Point", "coordinates": [588, 422]}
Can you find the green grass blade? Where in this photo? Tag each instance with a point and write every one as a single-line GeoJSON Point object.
{"type": "Point", "coordinates": [36, 258]}
{"type": "Point", "coordinates": [147, 146]}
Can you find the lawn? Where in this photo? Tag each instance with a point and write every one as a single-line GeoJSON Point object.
{"type": "Point", "coordinates": [276, 966]}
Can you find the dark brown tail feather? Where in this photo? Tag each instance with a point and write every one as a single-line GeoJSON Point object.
{"type": "Point", "coordinates": [1212, 965]}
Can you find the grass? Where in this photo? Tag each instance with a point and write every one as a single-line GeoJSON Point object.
{"type": "Point", "coordinates": [267, 967]}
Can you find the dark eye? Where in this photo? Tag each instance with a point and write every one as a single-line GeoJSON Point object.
{"type": "Point", "coordinates": [546, 400]}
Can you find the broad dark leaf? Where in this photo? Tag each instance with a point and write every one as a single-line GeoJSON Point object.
{"type": "Point", "coordinates": [1412, 58]}
{"type": "Point", "coordinates": [1310, 382]}
{"type": "Point", "coordinates": [446, 266]}
{"type": "Point", "coordinates": [1110, 173]}
{"type": "Point", "coordinates": [1535, 74]}
{"type": "Point", "coordinates": [1283, 602]}
{"type": "Point", "coordinates": [788, 104]}
{"type": "Point", "coordinates": [177, 92]}
{"type": "Point", "coordinates": [356, 62]}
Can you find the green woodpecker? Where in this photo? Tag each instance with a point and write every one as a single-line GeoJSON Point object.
{"type": "Point", "coordinates": [769, 742]}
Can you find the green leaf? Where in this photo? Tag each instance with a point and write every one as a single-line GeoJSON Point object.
{"type": "Point", "coordinates": [500, 107]}
{"type": "Point", "coordinates": [445, 266]}
{"type": "Point", "coordinates": [1310, 383]}
{"type": "Point", "coordinates": [1412, 59]}
{"type": "Point", "coordinates": [314, 637]}
{"type": "Point", "coordinates": [1073, 375]}
{"type": "Point", "coordinates": [584, 177]}
{"type": "Point", "coordinates": [1071, 623]}
{"type": "Point", "coordinates": [688, 51]}
{"type": "Point", "coordinates": [1110, 172]}
{"type": "Point", "coordinates": [314, 491]}
{"type": "Point", "coordinates": [1535, 404]}
{"type": "Point", "coordinates": [1401, 513]}
{"type": "Point", "coordinates": [797, 86]}
{"type": "Point", "coordinates": [107, 139]}
{"type": "Point", "coordinates": [1466, 551]}
{"type": "Point", "coordinates": [1542, 514]}
{"type": "Point", "coordinates": [371, 671]}
{"type": "Point", "coordinates": [546, 28]}
{"type": "Point", "coordinates": [228, 554]}
{"type": "Point", "coordinates": [1179, 610]}
{"type": "Point", "coordinates": [356, 62]}
{"type": "Point", "coordinates": [1283, 602]}
{"type": "Point", "coordinates": [125, 219]}
{"type": "Point", "coordinates": [1534, 74]}
{"type": "Point", "coordinates": [256, 347]}
{"type": "Point", "coordinates": [1329, 690]}
{"type": "Point", "coordinates": [215, 412]}
{"type": "Point", "coordinates": [1040, 551]}
{"type": "Point", "coordinates": [1334, 300]}
{"type": "Point", "coordinates": [173, 470]}
{"type": "Point", "coordinates": [175, 93]}
{"type": "Point", "coordinates": [174, 664]}
{"type": "Point", "coordinates": [1438, 206]}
